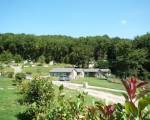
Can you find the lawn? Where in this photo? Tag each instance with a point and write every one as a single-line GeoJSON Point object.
{"type": "Point", "coordinates": [37, 70]}
{"type": "Point", "coordinates": [9, 107]}
{"type": "Point", "coordinates": [41, 70]}
{"type": "Point", "coordinates": [99, 83]}
{"type": "Point", "coordinates": [8, 69]}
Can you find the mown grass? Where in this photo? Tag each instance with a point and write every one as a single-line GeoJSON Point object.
{"type": "Point", "coordinates": [37, 70]}
{"type": "Point", "coordinates": [9, 106]}
{"type": "Point", "coordinates": [99, 83]}
{"type": "Point", "coordinates": [8, 69]}
{"type": "Point", "coordinates": [42, 70]}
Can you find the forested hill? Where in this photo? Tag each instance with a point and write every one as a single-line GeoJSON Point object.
{"type": "Point", "coordinates": [123, 56]}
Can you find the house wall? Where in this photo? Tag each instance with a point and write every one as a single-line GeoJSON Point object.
{"type": "Point", "coordinates": [80, 74]}
{"type": "Point", "coordinates": [73, 75]}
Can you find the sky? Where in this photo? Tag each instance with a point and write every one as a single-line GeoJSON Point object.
{"type": "Point", "coordinates": [122, 18]}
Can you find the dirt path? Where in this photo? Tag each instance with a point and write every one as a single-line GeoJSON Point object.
{"type": "Point", "coordinates": [108, 97]}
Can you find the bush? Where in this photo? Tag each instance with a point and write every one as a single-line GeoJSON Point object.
{"type": "Point", "coordinates": [38, 95]}
{"type": "Point", "coordinates": [6, 57]}
{"type": "Point", "coordinates": [10, 74]}
{"type": "Point", "coordinates": [19, 77]}
{"type": "Point", "coordinates": [17, 58]}
{"type": "Point", "coordinates": [24, 86]}
{"type": "Point", "coordinates": [41, 59]}
{"type": "Point", "coordinates": [7, 74]}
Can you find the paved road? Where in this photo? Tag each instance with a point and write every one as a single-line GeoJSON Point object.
{"type": "Point", "coordinates": [108, 97]}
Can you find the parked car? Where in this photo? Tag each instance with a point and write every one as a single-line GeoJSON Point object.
{"type": "Point", "coordinates": [64, 78]}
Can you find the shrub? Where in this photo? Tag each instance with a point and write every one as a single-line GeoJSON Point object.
{"type": "Point", "coordinates": [7, 74]}
{"type": "Point", "coordinates": [19, 77]}
{"type": "Point", "coordinates": [6, 57]}
{"type": "Point", "coordinates": [38, 95]}
{"type": "Point", "coordinates": [41, 59]}
{"type": "Point", "coordinates": [17, 58]}
{"type": "Point", "coordinates": [10, 74]}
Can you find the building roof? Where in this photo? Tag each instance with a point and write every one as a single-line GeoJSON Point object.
{"type": "Point", "coordinates": [104, 70]}
{"type": "Point", "coordinates": [91, 70]}
{"type": "Point", "coordinates": [62, 70]}
{"type": "Point", "coordinates": [79, 70]}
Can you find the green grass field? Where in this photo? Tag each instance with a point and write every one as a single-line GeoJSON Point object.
{"type": "Point", "coordinates": [99, 83]}
{"type": "Point", "coordinates": [8, 69]}
{"type": "Point", "coordinates": [41, 70]}
{"type": "Point", "coordinates": [9, 107]}
{"type": "Point", "coordinates": [37, 70]}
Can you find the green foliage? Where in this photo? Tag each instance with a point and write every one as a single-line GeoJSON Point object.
{"type": "Point", "coordinates": [41, 59]}
{"type": "Point", "coordinates": [9, 74]}
{"type": "Point", "coordinates": [39, 97]}
{"type": "Point", "coordinates": [123, 55]}
{"type": "Point", "coordinates": [19, 77]}
{"type": "Point", "coordinates": [17, 58]}
{"type": "Point", "coordinates": [6, 57]}
{"type": "Point", "coordinates": [103, 64]}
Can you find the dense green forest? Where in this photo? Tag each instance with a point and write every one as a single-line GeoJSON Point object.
{"type": "Point", "coordinates": [125, 57]}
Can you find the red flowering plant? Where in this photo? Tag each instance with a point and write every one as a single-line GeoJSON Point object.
{"type": "Point", "coordinates": [109, 109]}
{"type": "Point", "coordinates": [136, 98]}
{"type": "Point", "coordinates": [100, 111]}
{"type": "Point", "coordinates": [132, 85]}
{"type": "Point", "coordinates": [106, 110]}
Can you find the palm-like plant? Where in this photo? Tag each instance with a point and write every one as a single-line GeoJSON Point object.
{"type": "Point", "coordinates": [136, 99]}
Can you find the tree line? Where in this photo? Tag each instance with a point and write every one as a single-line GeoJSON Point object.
{"type": "Point", "coordinates": [125, 57]}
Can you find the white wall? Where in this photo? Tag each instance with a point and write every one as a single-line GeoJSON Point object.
{"type": "Point", "coordinates": [73, 75]}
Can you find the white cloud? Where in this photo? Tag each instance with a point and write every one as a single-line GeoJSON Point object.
{"type": "Point", "coordinates": [123, 22]}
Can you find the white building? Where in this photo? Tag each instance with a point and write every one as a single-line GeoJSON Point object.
{"type": "Point", "coordinates": [74, 73]}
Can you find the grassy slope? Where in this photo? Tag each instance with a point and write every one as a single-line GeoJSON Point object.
{"type": "Point", "coordinates": [40, 70]}
{"type": "Point", "coordinates": [37, 70]}
{"type": "Point", "coordinates": [9, 107]}
{"type": "Point", "coordinates": [99, 83]}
